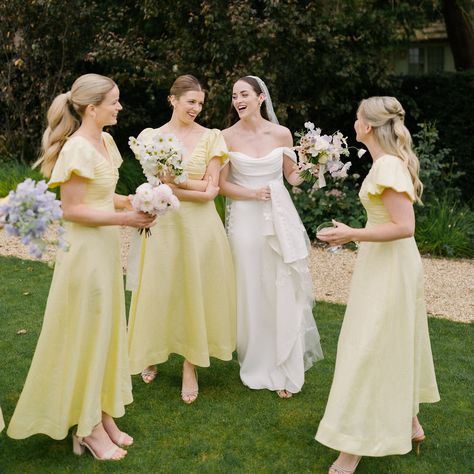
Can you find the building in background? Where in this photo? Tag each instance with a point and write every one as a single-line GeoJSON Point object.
{"type": "Point", "coordinates": [429, 52]}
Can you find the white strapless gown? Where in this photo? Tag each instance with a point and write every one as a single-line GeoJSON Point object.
{"type": "Point", "coordinates": [277, 338]}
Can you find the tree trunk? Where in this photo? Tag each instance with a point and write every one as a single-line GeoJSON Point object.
{"type": "Point", "coordinates": [458, 20]}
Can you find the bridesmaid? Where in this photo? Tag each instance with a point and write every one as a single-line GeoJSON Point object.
{"type": "Point", "coordinates": [79, 374]}
{"type": "Point", "coordinates": [184, 298]}
{"type": "Point", "coordinates": [277, 338]}
{"type": "Point", "coordinates": [384, 367]}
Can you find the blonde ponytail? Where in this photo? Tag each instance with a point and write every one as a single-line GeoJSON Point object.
{"type": "Point", "coordinates": [65, 114]}
{"type": "Point", "coordinates": [386, 116]}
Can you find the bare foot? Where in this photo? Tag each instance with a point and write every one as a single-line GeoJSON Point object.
{"type": "Point", "coordinates": [189, 387]}
{"type": "Point", "coordinates": [118, 437]}
{"type": "Point", "coordinates": [102, 446]}
{"type": "Point", "coordinates": [345, 464]}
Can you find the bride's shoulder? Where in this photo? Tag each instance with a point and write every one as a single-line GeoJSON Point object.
{"type": "Point", "coordinates": [281, 133]}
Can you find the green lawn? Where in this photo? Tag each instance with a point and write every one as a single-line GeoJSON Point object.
{"type": "Point", "coordinates": [230, 428]}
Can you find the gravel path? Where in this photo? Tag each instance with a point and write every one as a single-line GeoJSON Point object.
{"type": "Point", "coordinates": [449, 283]}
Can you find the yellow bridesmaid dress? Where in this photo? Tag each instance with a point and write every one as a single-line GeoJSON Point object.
{"type": "Point", "coordinates": [80, 366]}
{"type": "Point", "coordinates": [184, 301]}
{"type": "Point", "coordinates": [2, 423]}
{"type": "Point", "coordinates": [384, 366]}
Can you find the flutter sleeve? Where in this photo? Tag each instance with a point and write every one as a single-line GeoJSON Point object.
{"type": "Point", "coordinates": [217, 147]}
{"type": "Point", "coordinates": [75, 157]}
{"type": "Point", "coordinates": [390, 172]}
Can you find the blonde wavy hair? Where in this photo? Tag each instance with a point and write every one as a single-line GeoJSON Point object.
{"type": "Point", "coordinates": [386, 116]}
{"type": "Point", "coordinates": [65, 115]}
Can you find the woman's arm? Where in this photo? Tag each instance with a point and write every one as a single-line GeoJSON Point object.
{"type": "Point", "coordinates": [122, 202]}
{"type": "Point", "coordinates": [73, 193]}
{"type": "Point", "coordinates": [401, 225]}
{"type": "Point", "coordinates": [291, 171]}
{"type": "Point", "coordinates": [210, 180]}
{"type": "Point", "coordinates": [290, 168]}
{"type": "Point", "coordinates": [234, 191]}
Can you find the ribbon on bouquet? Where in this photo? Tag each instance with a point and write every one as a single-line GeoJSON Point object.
{"type": "Point", "coordinates": [321, 180]}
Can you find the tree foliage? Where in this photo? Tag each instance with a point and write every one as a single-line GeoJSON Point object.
{"type": "Point", "coordinates": [318, 58]}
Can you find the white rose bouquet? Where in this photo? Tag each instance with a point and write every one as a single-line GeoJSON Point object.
{"type": "Point", "coordinates": [154, 200]}
{"type": "Point", "coordinates": [159, 153]}
{"type": "Point", "coordinates": [319, 154]}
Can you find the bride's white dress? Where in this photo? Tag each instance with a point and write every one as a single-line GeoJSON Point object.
{"type": "Point", "coordinates": [277, 338]}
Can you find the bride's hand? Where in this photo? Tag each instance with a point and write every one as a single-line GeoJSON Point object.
{"type": "Point", "coordinates": [339, 235]}
{"type": "Point", "coordinates": [263, 194]}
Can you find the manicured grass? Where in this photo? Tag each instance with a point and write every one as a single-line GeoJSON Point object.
{"type": "Point", "coordinates": [230, 429]}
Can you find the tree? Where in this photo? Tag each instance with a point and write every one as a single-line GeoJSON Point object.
{"type": "Point", "coordinates": [459, 26]}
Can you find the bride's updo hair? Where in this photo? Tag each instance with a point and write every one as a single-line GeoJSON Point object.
{"type": "Point", "coordinates": [386, 117]}
{"type": "Point", "coordinates": [233, 116]}
{"type": "Point", "coordinates": [65, 115]}
{"type": "Point", "coordinates": [183, 84]}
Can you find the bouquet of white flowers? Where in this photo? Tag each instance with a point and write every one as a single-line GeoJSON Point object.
{"type": "Point", "coordinates": [29, 212]}
{"type": "Point", "coordinates": [154, 200]}
{"type": "Point", "coordinates": [319, 154]}
{"type": "Point", "coordinates": [159, 153]}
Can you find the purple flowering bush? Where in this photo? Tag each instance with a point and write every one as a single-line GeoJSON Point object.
{"type": "Point", "coordinates": [29, 212]}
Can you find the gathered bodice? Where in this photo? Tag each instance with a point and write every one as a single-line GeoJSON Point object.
{"type": "Point", "coordinates": [253, 172]}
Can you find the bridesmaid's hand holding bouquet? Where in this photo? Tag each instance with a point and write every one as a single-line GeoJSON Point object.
{"type": "Point", "coordinates": [154, 200]}
{"type": "Point", "coordinates": [160, 154]}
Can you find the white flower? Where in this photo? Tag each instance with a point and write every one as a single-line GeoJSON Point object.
{"type": "Point", "coordinates": [342, 173]}
{"type": "Point", "coordinates": [361, 152]}
{"type": "Point", "coordinates": [309, 125]}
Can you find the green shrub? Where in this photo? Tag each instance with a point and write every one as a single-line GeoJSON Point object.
{"type": "Point", "coordinates": [438, 169]}
{"type": "Point", "coordinates": [12, 173]}
{"type": "Point", "coordinates": [340, 201]}
{"type": "Point", "coordinates": [443, 98]}
{"type": "Point", "coordinates": [130, 175]}
{"type": "Point", "coordinates": [446, 229]}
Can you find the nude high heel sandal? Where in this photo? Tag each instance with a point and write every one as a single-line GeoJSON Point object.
{"type": "Point", "coordinates": [79, 447]}
{"type": "Point", "coordinates": [417, 438]}
{"type": "Point", "coordinates": [341, 470]}
{"type": "Point", "coordinates": [190, 396]}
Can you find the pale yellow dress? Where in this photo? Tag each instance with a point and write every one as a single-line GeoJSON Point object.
{"type": "Point", "coordinates": [184, 301]}
{"type": "Point", "coordinates": [384, 366]}
{"type": "Point", "coordinates": [80, 366]}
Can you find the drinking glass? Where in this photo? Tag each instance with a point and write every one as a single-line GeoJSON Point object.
{"type": "Point", "coordinates": [325, 227]}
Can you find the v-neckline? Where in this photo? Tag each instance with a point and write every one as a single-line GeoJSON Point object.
{"type": "Point", "coordinates": [203, 134]}
{"type": "Point", "coordinates": [108, 160]}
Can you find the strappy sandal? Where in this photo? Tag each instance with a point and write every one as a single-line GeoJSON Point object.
{"type": "Point", "coordinates": [284, 394]}
{"type": "Point", "coordinates": [79, 447]}
{"type": "Point", "coordinates": [341, 470]}
{"type": "Point", "coordinates": [190, 396]}
{"type": "Point", "coordinates": [149, 374]}
{"type": "Point", "coordinates": [417, 438]}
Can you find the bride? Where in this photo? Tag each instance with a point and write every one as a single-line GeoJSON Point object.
{"type": "Point", "coordinates": [277, 338]}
